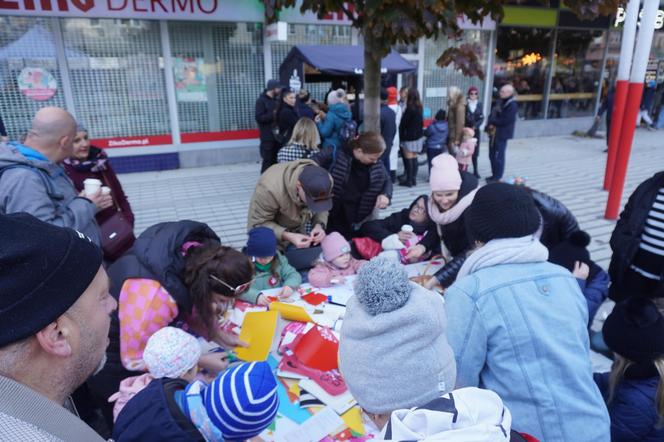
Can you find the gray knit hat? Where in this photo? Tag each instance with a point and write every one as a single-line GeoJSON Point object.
{"type": "Point", "coordinates": [393, 351]}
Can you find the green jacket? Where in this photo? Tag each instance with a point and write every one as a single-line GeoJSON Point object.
{"type": "Point", "coordinates": [288, 276]}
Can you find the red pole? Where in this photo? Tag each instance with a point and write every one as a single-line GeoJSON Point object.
{"type": "Point", "coordinates": [620, 98]}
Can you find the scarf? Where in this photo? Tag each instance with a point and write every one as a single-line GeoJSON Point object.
{"type": "Point", "coordinates": [96, 162]}
{"type": "Point", "coordinates": [472, 105]}
{"type": "Point", "coordinates": [453, 213]}
{"type": "Point", "coordinates": [526, 249]}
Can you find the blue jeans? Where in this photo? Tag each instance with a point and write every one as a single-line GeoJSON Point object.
{"type": "Point", "coordinates": [431, 154]}
{"type": "Point", "coordinates": [497, 158]}
{"type": "Point", "coordinates": [660, 119]}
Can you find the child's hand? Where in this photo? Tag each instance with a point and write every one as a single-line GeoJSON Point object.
{"type": "Point", "coordinates": [227, 340]}
{"type": "Point", "coordinates": [382, 202]}
{"type": "Point", "coordinates": [214, 362]}
{"type": "Point", "coordinates": [581, 270]}
{"type": "Point", "coordinates": [286, 292]}
{"type": "Point", "coordinates": [262, 301]}
{"type": "Point", "coordinates": [414, 253]}
{"type": "Point", "coordinates": [405, 236]}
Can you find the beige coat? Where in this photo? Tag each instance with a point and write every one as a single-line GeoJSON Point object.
{"type": "Point", "coordinates": [276, 204]}
{"type": "Point", "coordinates": [456, 119]}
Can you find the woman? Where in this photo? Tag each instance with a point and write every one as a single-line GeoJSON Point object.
{"type": "Point", "coordinates": [456, 117]}
{"type": "Point", "coordinates": [302, 144]}
{"type": "Point", "coordinates": [411, 135]}
{"type": "Point", "coordinates": [286, 115]}
{"type": "Point", "coordinates": [452, 192]}
{"type": "Point", "coordinates": [330, 123]}
{"type": "Point", "coordinates": [92, 162]}
{"type": "Point", "coordinates": [474, 119]}
{"type": "Point", "coordinates": [177, 274]}
{"type": "Point", "coordinates": [361, 183]}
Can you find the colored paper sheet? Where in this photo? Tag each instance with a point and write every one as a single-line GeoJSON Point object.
{"type": "Point", "coordinates": [317, 427]}
{"type": "Point", "coordinates": [353, 419]}
{"type": "Point", "coordinates": [288, 409]}
{"type": "Point", "coordinates": [258, 331]}
{"type": "Point", "coordinates": [314, 298]}
{"type": "Point", "coordinates": [318, 349]}
{"type": "Point", "coordinates": [340, 403]}
{"type": "Point", "coordinates": [295, 389]}
{"type": "Point", "coordinates": [290, 312]}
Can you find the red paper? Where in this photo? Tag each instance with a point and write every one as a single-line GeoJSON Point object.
{"type": "Point", "coordinates": [314, 298]}
{"type": "Point", "coordinates": [318, 349]}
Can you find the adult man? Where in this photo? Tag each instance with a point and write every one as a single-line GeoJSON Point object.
{"type": "Point", "coordinates": [293, 199]}
{"type": "Point", "coordinates": [32, 181]}
{"type": "Point", "coordinates": [54, 327]}
{"type": "Point", "coordinates": [388, 127]}
{"type": "Point", "coordinates": [502, 120]}
{"type": "Point", "coordinates": [265, 106]}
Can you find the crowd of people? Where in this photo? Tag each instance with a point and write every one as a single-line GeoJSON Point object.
{"type": "Point", "coordinates": [129, 327]}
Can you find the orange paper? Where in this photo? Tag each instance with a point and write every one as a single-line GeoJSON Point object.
{"type": "Point", "coordinates": [318, 349]}
{"type": "Point", "coordinates": [314, 298]}
{"type": "Point", "coordinates": [258, 329]}
{"type": "Point", "coordinates": [291, 312]}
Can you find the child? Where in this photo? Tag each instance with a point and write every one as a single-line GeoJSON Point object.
{"type": "Point", "coordinates": [336, 262]}
{"type": "Point", "coordinates": [272, 268]}
{"type": "Point", "coordinates": [464, 153]}
{"type": "Point", "coordinates": [238, 405]}
{"type": "Point", "coordinates": [634, 389]}
{"type": "Point", "coordinates": [594, 282]}
{"type": "Point", "coordinates": [436, 136]}
{"type": "Point", "coordinates": [169, 353]}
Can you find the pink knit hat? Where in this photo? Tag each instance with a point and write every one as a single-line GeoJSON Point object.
{"type": "Point", "coordinates": [171, 352]}
{"type": "Point", "coordinates": [444, 174]}
{"type": "Point", "coordinates": [334, 245]}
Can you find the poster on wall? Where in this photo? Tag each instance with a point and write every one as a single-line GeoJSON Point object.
{"type": "Point", "coordinates": [37, 84]}
{"type": "Point", "coordinates": [189, 79]}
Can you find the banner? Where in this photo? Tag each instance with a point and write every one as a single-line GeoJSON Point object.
{"type": "Point", "coordinates": [189, 79]}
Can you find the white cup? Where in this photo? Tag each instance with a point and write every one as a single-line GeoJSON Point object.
{"type": "Point", "coordinates": [407, 228]}
{"type": "Point", "coordinates": [105, 190]}
{"type": "Point", "coordinates": [91, 186]}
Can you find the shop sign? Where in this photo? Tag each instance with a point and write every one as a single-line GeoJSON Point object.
{"type": "Point", "coordinates": [620, 18]}
{"type": "Point", "coordinates": [37, 84]}
{"type": "Point", "coordinates": [138, 141]}
{"type": "Point", "coordinates": [190, 83]}
{"type": "Point", "coordinates": [295, 82]}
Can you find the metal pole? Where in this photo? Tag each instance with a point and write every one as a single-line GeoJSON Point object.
{"type": "Point", "coordinates": [488, 82]}
{"type": "Point", "coordinates": [635, 91]}
{"type": "Point", "coordinates": [549, 76]}
{"type": "Point", "coordinates": [622, 80]}
{"type": "Point", "coordinates": [63, 66]}
{"type": "Point", "coordinates": [598, 96]}
{"type": "Point", "coordinates": [171, 98]}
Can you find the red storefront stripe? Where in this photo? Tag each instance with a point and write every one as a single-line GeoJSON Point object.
{"type": "Point", "coordinates": [139, 141]}
{"type": "Point", "coordinates": [200, 137]}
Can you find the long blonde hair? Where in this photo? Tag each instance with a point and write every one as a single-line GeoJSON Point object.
{"type": "Point", "coordinates": [620, 366]}
{"type": "Point", "coordinates": [305, 133]}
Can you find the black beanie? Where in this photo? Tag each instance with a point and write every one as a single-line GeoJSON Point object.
{"type": "Point", "coordinates": [573, 249]}
{"type": "Point", "coordinates": [500, 210]}
{"type": "Point", "coordinates": [635, 330]}
{"type": "Point", "coordinates": [44, 269]}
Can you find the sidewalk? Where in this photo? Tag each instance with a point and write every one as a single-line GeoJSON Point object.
{"type": "Point", "coordinates": [569, 168]}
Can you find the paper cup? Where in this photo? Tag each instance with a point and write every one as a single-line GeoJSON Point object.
{"type": "Point", "coordinates": [91, 186]}
{"type": "Point", "coordinates": [407, 228]}
{"type": "Point", "coordinates": [105, 190]}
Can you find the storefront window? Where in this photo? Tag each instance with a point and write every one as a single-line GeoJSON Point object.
{"type": "Point", "coordinates": [218, 70]}
{"type": "Point", "coordinates": [522, 58]}
{"type": "Point", "coordinates": [309, 35]}
{"type": "Point", "coordinates": [29, 75]}
{"type": "Point", "coordinates": [116, 75]}
{"type": "Point", "coordinates": [437, 80]}
{"type": "Point", "coordinates": [576, 74]}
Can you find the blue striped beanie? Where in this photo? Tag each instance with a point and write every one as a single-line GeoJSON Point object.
{"type": "Point", "coordinates": [242, 401]}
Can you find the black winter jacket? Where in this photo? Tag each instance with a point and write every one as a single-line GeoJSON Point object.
{"type": "Point", "coordinates": [411, 127]}
{"type": "Point", "coordinates": [388, 125]}
{"type": "Point", "coordinates": [475, 119]}
{"type": "Point", "coordinates": [286, 119]}
{"type": "Point", "coordinates": [626, 236]}
{"type": "Point", "coordinates": [380, 229]}
{"type": "Point", "coordinates": [559, 222]}
{"type": "Point", "coordinates": [264, 115]}
{"type": "Point", "coordinates": [339, 165]}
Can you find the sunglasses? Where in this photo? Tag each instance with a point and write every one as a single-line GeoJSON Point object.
{"type": "Point", "coordinates": [236, 290]}
{"type": "Point", "coordinates": [473, 93]}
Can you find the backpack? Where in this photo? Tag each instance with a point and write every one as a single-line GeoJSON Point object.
{"type": "Point", "coordinates": [348, 131]}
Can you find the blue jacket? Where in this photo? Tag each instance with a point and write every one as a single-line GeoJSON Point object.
{"type": "Point", "coordinates": [632, 410]}
{"type": "Point", "coordinates": [520, 330]}
{"type": "Point", "coordinates": [504, 119]}
{"type": "Point", "coordinates": [595, 290]}
{"type": "Point", "coordinates": [436, 135]}
{"type": "Point", "coordinates": [330, 127]}
{"type": "Point", "coordinates": [388, 125]}
{"type": "Point", "coordinates": [154, 416]}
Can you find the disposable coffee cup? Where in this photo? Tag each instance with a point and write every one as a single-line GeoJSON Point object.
{"type": "Point", "coordinates": [407, 228]}
{"type": "Point", "coordinates": [105, 190]}
{"type": "Point", "coordinates": [91, 186]}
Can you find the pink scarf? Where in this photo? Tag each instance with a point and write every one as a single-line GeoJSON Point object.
{"type": "Point", "coordinates": [453, 213]}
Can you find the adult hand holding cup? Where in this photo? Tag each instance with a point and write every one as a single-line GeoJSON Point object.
{"type": "Point", "coordinates": [91, 186]}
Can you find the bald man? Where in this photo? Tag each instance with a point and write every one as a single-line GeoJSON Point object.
{"type": "Point", "coordinates": [32, 180]}
{"type": "Point", "coordinates": [503, 118]}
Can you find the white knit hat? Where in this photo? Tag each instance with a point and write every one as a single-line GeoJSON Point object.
{"type": "Point", "coordinates": [171, 352]}
{"type": "Point", "coordinates": [336, 96]}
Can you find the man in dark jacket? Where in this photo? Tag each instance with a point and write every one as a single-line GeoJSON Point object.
{"type": "Point", "coordinates": [503, 120]}
{"type": "Point", "coordinates": [607, 106]}
{"type": "Point", "coordinates": [265, 106]}
{"type": "Point", "coordinates": [388, 127]}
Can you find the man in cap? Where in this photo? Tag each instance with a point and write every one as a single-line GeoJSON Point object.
{"type": "Point", "coordinates": [55, 314]}
{"type": "Point", "coordinates": [265, 107]}
{"type": "Point", "coordinates": [293, 199]}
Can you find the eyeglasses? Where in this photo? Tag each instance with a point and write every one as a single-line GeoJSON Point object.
{"type": "Point", "coordinates": [473, 93]}
{"type": "Point", "coordinates": [237, 290]}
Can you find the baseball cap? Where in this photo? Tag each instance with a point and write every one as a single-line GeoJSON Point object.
{"type": "Point", "coordinates": [317, 185]}
{"type": "Point", "coordinates": [273, 84]}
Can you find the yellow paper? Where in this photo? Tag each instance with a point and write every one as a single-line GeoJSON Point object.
{"type": "Point", "coordinates": [353, 419]}
{"type": "Point", "coordinates": [290, 312]}
{"type": "Point", "coordinates": [258, 330]}
{"type": "Point", "coordinates": [295, 389]}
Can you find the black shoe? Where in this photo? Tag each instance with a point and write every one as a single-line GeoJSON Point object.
{"type": "Point", "coordinates": [492, 180]}
{"type": "Point", "coordinates": [477, 175]}
{"type": "Point", "coordinates": [605, 150]}
{"type": "Point", "coordinates": [408, 176]}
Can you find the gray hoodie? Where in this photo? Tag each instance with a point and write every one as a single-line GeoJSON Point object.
{"type": "Point", "coordinates": [47, 193]}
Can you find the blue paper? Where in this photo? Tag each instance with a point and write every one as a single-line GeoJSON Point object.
{"type": "Point", "coordinates": [286, 408]}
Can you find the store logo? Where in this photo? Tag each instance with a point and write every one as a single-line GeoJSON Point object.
{"type": "Point", "coordinates": [620, 18]}
{"type": "Point", "coordinates": [47, 5]}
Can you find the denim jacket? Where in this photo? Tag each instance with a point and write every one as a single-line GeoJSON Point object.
{"type": "Point", "coordinates": [519, 329]}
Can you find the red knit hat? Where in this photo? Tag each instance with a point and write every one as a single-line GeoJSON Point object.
{"type": "Point", "coordinates": [392, 94]}
{"type": "Point", "coordinates": [473, 89]}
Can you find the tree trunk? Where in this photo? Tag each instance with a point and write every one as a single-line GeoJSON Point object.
{"type": "Point", "coordinates": [372, 59]}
